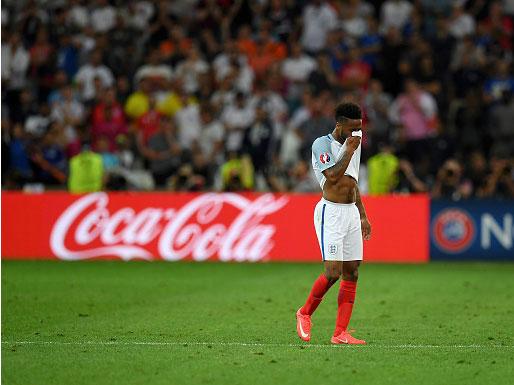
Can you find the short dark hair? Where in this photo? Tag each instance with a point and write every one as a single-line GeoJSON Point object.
{"type": "Point", "coordinates": [348, 111]}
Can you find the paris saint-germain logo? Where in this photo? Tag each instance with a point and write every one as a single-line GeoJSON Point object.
{"type": "Point", "coordinates": [324, 158]}
{"type": "Point", "coordinates": [453, 230]}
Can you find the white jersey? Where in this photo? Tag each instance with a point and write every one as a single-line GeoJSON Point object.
{"type": "Point", "coordinates": [326, 152]}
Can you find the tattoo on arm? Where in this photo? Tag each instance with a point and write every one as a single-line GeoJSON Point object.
{"type": "Point", "coordinates": [340, 167]}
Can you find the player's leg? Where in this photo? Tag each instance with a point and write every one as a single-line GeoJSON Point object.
{"type": "Point", "coordinates": [327, 223]}
{"type": "Point", "coordinates": [352, 256]}
{"type": "Point", "coordinates": [332, 272]}
{"type": "Point", "coordinates": [324, 222]}
{"type": "Point", "coordinates": [346, 296]}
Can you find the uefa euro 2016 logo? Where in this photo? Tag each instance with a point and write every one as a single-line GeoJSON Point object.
{"type": "Point", "coordinates": [453, 230]}
{"type": "Point", "coordinates": [324, 158]}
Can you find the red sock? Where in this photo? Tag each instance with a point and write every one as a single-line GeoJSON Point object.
{"type": "Point", "coordinates": [345, 301]}
{"type": "Point", "coordinates": [320, 287]}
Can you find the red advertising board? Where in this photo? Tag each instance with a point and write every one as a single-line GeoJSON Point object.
{"type": "Point", "coordinates": [210, 226]}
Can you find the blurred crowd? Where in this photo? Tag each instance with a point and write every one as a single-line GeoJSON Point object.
{"type": "Point", "coordinates": [228, 95]}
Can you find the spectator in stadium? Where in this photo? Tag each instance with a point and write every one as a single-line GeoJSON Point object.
{"type": "Point", "coordinates": [499, 26]}
{"type": "Point", "coordinates": [383, 171]}
{"type": "Point", "coordinates": [49, 159]}
{"type": "Point", "coordinates": [297, 67]}
{"type": "Point", "coordinates": [370, 44]}
{"type": "Point", "coordinates": [36, 124]}
{"type": "Point", "coordinates": [273, 104]}
{"type": "Point", "coordinates": [323, 77]}
{"type": "Point", "coordinates": [501, 126]}
{"type": "Point", "coordinates": [392, 51]}
{"type": "Point", "coordinates": [395, 13]}
{"type": "Point", "coordinates": [291, 140]}
{"type": "Point", "coordinates": [20, 168]}
{"type": "Point", "coordinates": [461, 22]}
{"type": "Point", "coordinates": [31, 18]}
{"type": "Point", "coordinates": [212, 136]}
{"type": "Point", "coordinates": [138, 13]}
{"type": "Point", "coordinates": [109, 159]}
{"type": "Point", "coordinates": [353, 23]}
{"type": "Point", "coordinates": [188, 122]}
{"type": "Point", "coordinates": [86, 172]}
{"type": "Point", "coordinates": [147, 125]}
{"type": "Point", "coordinates": [86, 75]}
{"type": "Point", "coordinates": [237, 117]}
{"type": "Point", "coordinates": [408, 181]}
{"type": "Point", "coordinates": [376, 105]}
{"type": "Point", "coordinates": [502, 81]}
{"type": "Point", "coordinates": [476, 171]}
{"type": "Point", "coordinates": [415, 111]}
{"type": "Point", "coordinates": [337, 46]}
{"type": "Point", "coordinates": [69, 112]}
{"type": "Point", "coordinates": [450, 182]}
{"type": "Point", "coordinates": [78, 16]}
{"type": "Point", "coordinates": [108, 119]}
{"type": "Point", "coordinates": [224, 95]}
{"type": "Point", "coordinates": [467, 74]}
{"type": "Point", "coordinates": [209, 15]}
{"type": "Point", "coordinates": [258, 140]}
{"type": "Point", "coordinates": [42, 62]}
{"type": "Point", "coordinates": [103, 16]}
{"type": "Point", "coordinates": [470, 121]}
{"type": "Point", "coordinates": [319, 18]}
{"type": "Point", "coordinates": [500, 182]}
{"type": "Point", "coordinates": [182, 180]}
{"type": "Point", "coordinates": [123, 55]}
{"type": "Point", "coordinates": [15, 64]}
{"type": "Point", "coordinates": [163, 152]}
{"type": "Point", "coordinates": [22, 106]}
{"type": "Point", "coordinates": [443, 43]}
{"type": "Point", "coordinates": [190, 69]}
{"type": "Point", "coordinates": [237, 173]}
{"type": "Point", "coordinates": [302, 181]}
{"type": "Point", "coordinates": [280, 15]}
{"type": "Point", "coordinates": [67, 56]}
{"type": "Point", "coordinates": [264, 51]}
{"type": "Point", "coordinates": [355, 73]}
{"type": "Point", "coordinates": [313, 127]}
{"type": "Point", "coordinates": [427, 77]}
{"type": "Point", "coordinates": [154, 71]}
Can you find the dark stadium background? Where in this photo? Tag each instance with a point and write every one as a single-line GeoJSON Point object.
{"type": "Point", "coordinates": [240, 89]}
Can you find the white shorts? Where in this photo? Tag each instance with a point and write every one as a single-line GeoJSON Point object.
{"type": "Point", "coordinates": [338, 227]}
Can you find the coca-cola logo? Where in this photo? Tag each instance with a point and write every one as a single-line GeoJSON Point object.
{"type": "Point", "coordinates": [200, 229]}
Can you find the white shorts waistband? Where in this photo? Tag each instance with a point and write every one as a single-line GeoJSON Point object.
{"type": "Point", "coordinates": [337, 204]}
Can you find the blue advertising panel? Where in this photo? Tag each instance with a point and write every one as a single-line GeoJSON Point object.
{"type": "Point", "coordinates": [475, 229]}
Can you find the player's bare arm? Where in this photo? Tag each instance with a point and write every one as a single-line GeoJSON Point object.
{"type": "Point", "coordinates": [365, 225]}
{"type": "Point", "coordinates": [340, 188]}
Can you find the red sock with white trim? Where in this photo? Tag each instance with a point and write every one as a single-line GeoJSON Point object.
{"type": "Point", "coordinates": [345, 301]}
{"type": "Point", "coordinates": [320, 287]}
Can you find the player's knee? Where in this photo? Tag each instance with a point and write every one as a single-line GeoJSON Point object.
{"type": "Point", "coordinates": [332, 274]}
{"type": "Point", "coordinates": [351, 274]}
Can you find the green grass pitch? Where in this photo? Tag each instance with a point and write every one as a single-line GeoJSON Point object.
{"type": "Point", "coordinates": [213, 323]}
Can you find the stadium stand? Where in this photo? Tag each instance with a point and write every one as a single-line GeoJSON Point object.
{"type": "Point", "coordinates": [228, 95]}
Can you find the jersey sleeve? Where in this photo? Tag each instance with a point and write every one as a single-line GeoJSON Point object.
{"type": "Point", "coordinates": [322, 154]}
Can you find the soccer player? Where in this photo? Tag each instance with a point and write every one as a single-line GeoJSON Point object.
{"type": "Point", "coordinates": [339, 219]}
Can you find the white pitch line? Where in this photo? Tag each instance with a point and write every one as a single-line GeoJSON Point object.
{"type": "Point", "coordinates": [251, 344]}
